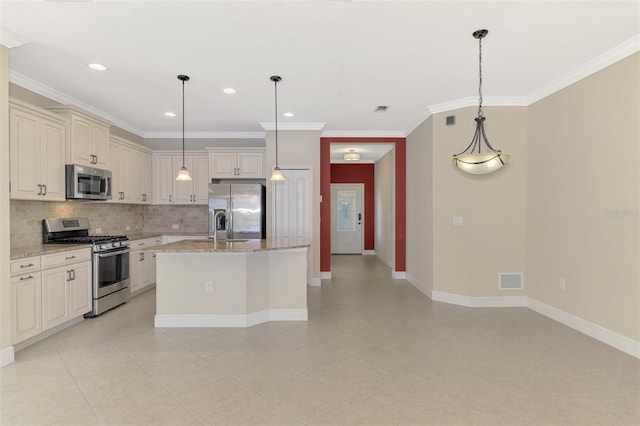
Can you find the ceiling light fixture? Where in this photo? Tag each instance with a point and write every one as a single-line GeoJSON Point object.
{"type": "Point", "coordinates": [352, 155]}
{"type": "Point", "coordinates": [229, 91]}
{"type": "Point", "coordinates": [288, 114]}
{"type": "Point", "coordinates": [183, 173]}
{"type": "Point", "coordinates": [97, 67]}
{"type": "Point", "coordinates": [277, 173]}
{"type": "Point", "coordinates": [170, 114]}
{"type": "Point", "coordinates": [480, 163]}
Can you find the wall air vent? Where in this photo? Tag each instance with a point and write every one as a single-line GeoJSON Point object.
{"type": "Point", "coordinates": [510, 280]}
{"type": "Point", "coordinates": [381, 108]}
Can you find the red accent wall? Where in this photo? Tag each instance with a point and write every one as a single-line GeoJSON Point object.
{"type": "Point", "coordinates": [400, 190]}
{"type": "Point", "coordinates": [360, 173]}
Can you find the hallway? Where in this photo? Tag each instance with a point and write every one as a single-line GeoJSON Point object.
{"type": "Point", "coordinates": [375, 351]}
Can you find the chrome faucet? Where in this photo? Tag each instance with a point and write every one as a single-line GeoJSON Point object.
{"type": "Point", "coordinates": [215, 224]}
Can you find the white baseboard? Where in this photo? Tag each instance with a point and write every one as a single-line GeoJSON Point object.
{"type": "Point", "coordinates": [7, 356]}
{"type": "Point", "coordinates": [255, 318]}
{"type": "Point", "coordinates": [368, 252]}
{"type": "Point", "coordinates": [611, 338]}
{"type": "Point", "coordinates": [398, 275]}
{"type": "Point", "coordinates": [480, 302]}
{"type": "Point", "coordinates": [325, 275]}
{"type": "Point", "coordinates": [315, 282]}
{"type": "Point", "coordinates": [384, 260]}
{"type": "Point", "coordinates": [421, 286]}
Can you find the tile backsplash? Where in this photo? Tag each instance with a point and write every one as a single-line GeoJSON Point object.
{"type": "Point", "coordinates": [26, 218]}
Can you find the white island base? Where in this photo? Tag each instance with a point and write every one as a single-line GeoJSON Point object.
{"type": "Point", "coordinates": [223, 288]}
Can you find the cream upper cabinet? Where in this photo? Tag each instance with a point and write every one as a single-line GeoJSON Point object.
{"type": "Point", "coordinates": [87, 140]}
{"type": "Point", "coordinates": [235, 165]}
{"type": "Point", "coordinates": [37, 144]}
{"type": "Point", "coordinates": [131, 172]}
{"type": "Point", "coordinates": [169, 191]}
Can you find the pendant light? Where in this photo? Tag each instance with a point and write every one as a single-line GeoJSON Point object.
{"type": "Point", "coordinates": [277, 173]}
{"type": "Point", "coordinates": [479, 162]}
{"type": "Point", "coordinates": [183, 173]}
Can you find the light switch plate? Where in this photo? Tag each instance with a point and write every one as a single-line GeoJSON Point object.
{"type": "Point", "coordinates": [175, 226]}
{"type": "Point", "coordinates": [457, 220]}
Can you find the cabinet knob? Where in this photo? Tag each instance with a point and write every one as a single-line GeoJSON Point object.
{"type": "Point", "coordinates": [45, 189]}
{"type": "Point", "coordinates": [39, 189]}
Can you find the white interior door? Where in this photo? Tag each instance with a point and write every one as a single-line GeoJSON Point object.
{"type": "Point", "coordinates": [347, 216]}
{"type": "Point", "coordinates": [292, 210]}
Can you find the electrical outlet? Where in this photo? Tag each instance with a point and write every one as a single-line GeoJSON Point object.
{"type": "Point", "coordinates": [98, 231]}
{"type": "Point", "coordinates": [127, 228]}
{"type": "Point", "coordinates": [457, 221]}
{"type": "Point", "coordinates": [563, 284]}
{"type": "Point", "coordinates": [208, 286]}
{"type": "Point", "coordinates": [175, 226]}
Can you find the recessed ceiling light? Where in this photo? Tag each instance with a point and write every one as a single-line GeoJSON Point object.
{"type": "Point", "coordinates": [288, 114]}
{"type": "Point", "coordinates": [170, 114]}
{"type": "Point", "coordinates": [229, 91]}
{"type": "Point", "coordinates": [97, 67]}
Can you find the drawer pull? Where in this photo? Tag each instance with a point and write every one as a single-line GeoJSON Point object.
{"type": "Point", "coordinates": [30, 277]}
{"type": "Point", "coordinates": [70, 257]}
{"type": "Point", "coordinates": [27, 266]}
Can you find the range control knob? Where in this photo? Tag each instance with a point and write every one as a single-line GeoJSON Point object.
{"type": "Point", "coordinates": [103, 246]}
{"type": "Point", "coordinates": [116, 244]}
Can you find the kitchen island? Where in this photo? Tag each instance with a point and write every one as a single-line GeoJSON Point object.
{"type": "Point", "coordinates": [234, 283]}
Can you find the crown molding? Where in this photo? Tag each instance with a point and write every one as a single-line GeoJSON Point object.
{"type": "Point", "coordinates": [293, 126]}
{"type": "Point", "coordinates": [41, 89]}
{"type": "Point", "coordinates": [205, 135]}
{"type": "Point", "coordinates": [11, 40]}
{"type": "Point", "coordinates": [610, 57]}
{"type": "Point", "coordinates": [363, 134]}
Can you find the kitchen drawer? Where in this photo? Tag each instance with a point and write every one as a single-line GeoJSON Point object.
{"type": "Point", "coordinates": [51, 260]}
{"type": "Point", "coordinates": [22, 266]}
{"type": "Point", "coordinates": [143, 244]}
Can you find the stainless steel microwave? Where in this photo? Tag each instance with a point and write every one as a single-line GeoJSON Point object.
{"type": "Point", "coordinates": [87, 183]}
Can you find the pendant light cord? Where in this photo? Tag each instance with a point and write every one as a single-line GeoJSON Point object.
{"type": "Point", "coordinates": [275, 85]}
{"type": "Point", "coordinates": [183, 124]}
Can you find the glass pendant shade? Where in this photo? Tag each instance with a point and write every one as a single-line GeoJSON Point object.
{"type": "Point", "coordinates": [183, 175]}
{"type": "Point", "coordinates": [480, 164]}
{"type": "Point", "coordinates": [277, 174]}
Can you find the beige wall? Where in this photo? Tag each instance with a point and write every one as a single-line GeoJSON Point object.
{"type": "Point", "coordinates": [420, 206]}
{"type": "Point", "coordinates": [384, 182]}
{"type": "Point", "coordinates": [468, 258]}
{"type": "Point", "coordinates": [583, 189]}
{"type": "Point", "coordinates": [5, 288]}
{"type": "Point", "coordinates": [297, 148]}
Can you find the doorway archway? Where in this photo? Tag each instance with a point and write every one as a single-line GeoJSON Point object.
{"type": "Point", "coordinates": [399, 270]}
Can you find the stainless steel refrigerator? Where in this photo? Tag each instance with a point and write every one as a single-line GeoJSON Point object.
{"type": "Point", "coordinates": [244, 205]}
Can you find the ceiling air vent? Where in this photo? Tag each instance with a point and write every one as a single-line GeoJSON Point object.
{"type": "Point", "coordinates": [381, 108]}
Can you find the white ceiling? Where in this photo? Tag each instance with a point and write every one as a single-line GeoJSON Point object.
{"type": "Point", "coordinates": [338, 60]}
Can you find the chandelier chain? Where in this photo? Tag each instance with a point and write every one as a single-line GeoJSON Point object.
{"type": "Point", "coordinates": [480, 76]}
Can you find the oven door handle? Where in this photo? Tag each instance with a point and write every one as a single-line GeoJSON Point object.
{"type": "Point", "coordinates": [114, 253]}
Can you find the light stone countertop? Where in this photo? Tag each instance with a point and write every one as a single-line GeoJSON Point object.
{"type": "Point", "coordinates": [207, 246]}
{"type": "Point", "coordinates": [144, 235]}
{"type": "Point", "coordinates": [42, 249]}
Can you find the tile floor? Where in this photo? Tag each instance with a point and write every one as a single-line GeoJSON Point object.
{"type": "Point", "coordinates": [374, 352]}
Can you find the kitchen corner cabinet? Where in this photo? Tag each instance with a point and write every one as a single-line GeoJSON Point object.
{"type": "Point", "coordinates": [235, 165]}
{"type": "Point", "coordinates": [131, 172]}
{"type": "Point", "coordinates": [87, 140]}
{"type": "Point", "coordinates": [49, 290]}
{"type": "Point", "coordinates": [169, 191]}
{"type": "Point", "coordinates": [37, 145]}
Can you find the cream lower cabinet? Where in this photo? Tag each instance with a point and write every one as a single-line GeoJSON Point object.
{"type": "Point", "coordinates": [26, 305]}
{"type": "Point", "coordinates": [49, 290]}
{"type": "Point", "coordinates": [37, 145]}
{"type": "Point", "coordinates": [141, 264]}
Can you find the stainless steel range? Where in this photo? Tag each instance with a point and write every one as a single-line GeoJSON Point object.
{"type": "Point", "coordinates": [110, 260]}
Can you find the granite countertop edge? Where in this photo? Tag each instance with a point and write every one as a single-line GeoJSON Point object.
{"type": "Point", "coordinates": [207, 246]}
